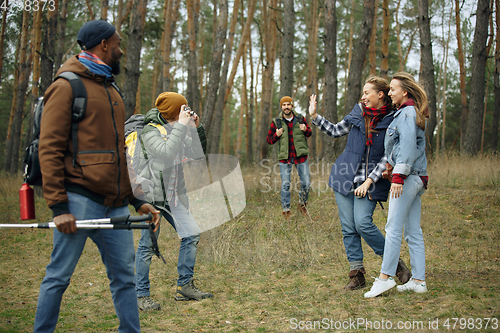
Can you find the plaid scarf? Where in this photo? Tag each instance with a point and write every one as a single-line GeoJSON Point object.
{"type": "Point", "coordinates": [376, 116]}
{"type": "Point", "coordinates": [95, 64]}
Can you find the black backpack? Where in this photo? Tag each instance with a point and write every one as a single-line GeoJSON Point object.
{"type": "Point", "coordinates": [33, 174]}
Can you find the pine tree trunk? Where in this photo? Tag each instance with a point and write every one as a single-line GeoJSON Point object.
{"type": "Point", "coordinates": [472, 138]}
{"type": "Point", "coordinates": [217, 118]}
{"type": "Point", "coordinates": [193, 93]}
{"type": "Point", "coordinates": [443, 127]}
{"type": "Point", "coordinates": [270, 36]}
{"type": "Point", "coordinates": [398, 37]}
{"type": "Point", "coordinates": [496, 79]}
{"type": "Point", "coordinates": [427, 69]}
{"type": "Point", "coordinates": [215, 67]}
{"type": "Point", "coordinates": [2, 39]}
{"type": "Point", "coordinates": [330, 88]}
{"type": "Point", "coordinates": [49, 38]}
{"type": "Point", "coordinates": [373, 41]}
{"type": "Point", "coordinates": [461, 62]}
{"type": "Point", "coordinates": [104, 10]}
{"type": "Point", "coordinates": [132, 66]}
{"type": "Point", "coordinates": [61, 31]}
{"type": "Point", "coordinates": [250, 109]}
{"type": "Point", "coordinates": [384, 64]}
{"type": "Point", "coordinates": [287, 49]}
{"type": "Point", "coordinates": [12, 161]}
{"type": "Point", "coordinates": [89, 8]}
{"type": "Point", "coordinates": [169, 28]}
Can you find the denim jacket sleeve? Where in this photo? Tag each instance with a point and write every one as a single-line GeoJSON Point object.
{"type": "Point", "coordinates": [404, 153]}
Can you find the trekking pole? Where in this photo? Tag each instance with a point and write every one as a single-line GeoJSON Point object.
{"type": "Point", "coordinates": [121, 222]}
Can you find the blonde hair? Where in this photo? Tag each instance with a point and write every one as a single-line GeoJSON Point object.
{"type": "Point", "coordinates": [417, 93]}
{"type": "Point", "coordinates": [382, 85]}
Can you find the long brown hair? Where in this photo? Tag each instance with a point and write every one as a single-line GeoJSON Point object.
{"type": "Point", "coordinates": [417, 93]}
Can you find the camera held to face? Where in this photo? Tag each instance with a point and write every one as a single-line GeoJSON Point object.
{"type": "Point", "coordinates": [188, 109]}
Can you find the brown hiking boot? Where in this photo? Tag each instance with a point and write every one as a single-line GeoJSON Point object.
{"type": "Point", "coordinates": [286, 215]}
{"type": "Point", "coordinates": [357, 277]}
{"type": "Point", "coordinates": [402, 272]}
{"type": "Point", "coordinates": [303, 209]}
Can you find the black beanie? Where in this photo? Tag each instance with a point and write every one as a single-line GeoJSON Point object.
{"type": "Point", "coordinates": [93, 32]}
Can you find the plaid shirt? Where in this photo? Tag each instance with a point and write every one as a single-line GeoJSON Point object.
{"type": "Point", "coordinates": [340, 129]}
{"type": "Point", "coordinates": [272, 138]}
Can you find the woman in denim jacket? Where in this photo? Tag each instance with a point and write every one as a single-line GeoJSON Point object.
{"type": "Point", "coordinates": [356, 176]}
{"type": "Point", "coordinates": [405, 151]}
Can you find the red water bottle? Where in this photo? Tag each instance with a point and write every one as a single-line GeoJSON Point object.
{"type": "Point", "coordinates": [27, 202]}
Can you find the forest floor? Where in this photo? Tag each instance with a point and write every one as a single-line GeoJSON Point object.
{"type": "Point", "coordinates": [269, 275]}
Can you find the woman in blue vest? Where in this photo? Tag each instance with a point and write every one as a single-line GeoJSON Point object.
{"type": "Point", "coordinates": [405, 151]}
{"type": "Point", "coordinates": [356, 176]}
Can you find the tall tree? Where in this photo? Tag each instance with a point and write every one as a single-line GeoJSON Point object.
{"type": "Point", "coordinates": [461, 63]}
{"type": "Point", "coordinates": [372, 49]}
{"type": "Point", "coordinates": [2, 38]}
{"type": "Point", "coordinates": [472, 140]}
{"type": "Point", "coordinates": [132, 65]}
{"type": "Point", "coordinates": [427, 69]}
{"type": "Point", "coordinates": [61, 32]}
{"type": "Point", "coordinates": [250, 109]}
{"type": "Point", "coordinates": [14, 141]}
{"type": "Point", "coordinates": [215, 67]}
{"type": "Point", "coordinates": [496, 109]}
{"type": "Point", "coordinates": [359, 56]}
{"type": "Point", "coordinates": [330, 88]}
{"type": "Point", "coordinates": [193, 92]}
{"type": "Point", "coordinates": [218, 116]}
{"type": "Point", "coordinates": [104, 10]}
{"type": "Point", "coordinates": [171, 16]}
{"type": "Point", "coordinates": [287, 50]}
{"type": "Point", "coordinates": [269, 36]}
{"type": "Point", "coordinates": [49, 37]}
{"type": "Point", "coordinates": [384, 64]}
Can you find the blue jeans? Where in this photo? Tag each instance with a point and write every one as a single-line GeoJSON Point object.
{"type": "Point", "coordinates": [404, 213]}
{"type": "Point", "coordinates": [117, 253]}
{"type": "Point", "coordinates": [356, 219]}
{"type": "Point", "coordinates": [285, 172]}
{"type": "Point", "coordinates": [178, 218]}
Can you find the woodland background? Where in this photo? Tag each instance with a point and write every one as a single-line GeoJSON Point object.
{"type": "Point", "coordinates": [234, 60]}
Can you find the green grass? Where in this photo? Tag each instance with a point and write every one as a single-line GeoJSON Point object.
{"type": "Point", "coordinates": [264, 272]}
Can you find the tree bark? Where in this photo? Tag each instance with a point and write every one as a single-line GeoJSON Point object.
{"type": "Point", "coordinates": [287, 49]}
{"type": "Point", "coordinates": [104, 10]}
{"type": "Point", "coordinates": [215, 66]}
{"type": "Point", "coordinates": [373, 41]}
{"type": "Point", "coordinates": [250, 110]}
{"type": "Point", "coordinates": [330, 88]}
{"type": "Point", "coordinates": [461, 62]}
{"type": "Point", "coordinates": [12, 161]}
{"type": "Point", "coordinates": [193, 92]}
{"type": "Point", "coordinates": [61, 32]}
{"type": "Point", "coordinates": [384, 64]}
{"type": "Point", "coordinates": [48, 55]}
{"type": "Point", "coordinates": [270, 35]}
{"type": "Point", "coordinates": [132, 66]}
{"type": "Point", "coordinates": [472, 139]}
{"type": "Point", "coordinates": [427, 69]}
{"type": "Point", "coordinates": [169, 28]}
{"type": "Point", "coordinates": [359, 56]}
{"type": "Point", "coordinates": [496, 79]}
{"type": "Point", "coordinates": [2, 39]}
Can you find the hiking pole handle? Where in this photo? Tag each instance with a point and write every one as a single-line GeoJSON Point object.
{"type": "Point", "coordinates": [131, 219]}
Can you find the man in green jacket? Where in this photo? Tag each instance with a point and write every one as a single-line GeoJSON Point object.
{"type": "Point", "coordinates": [171, 132]}
{"type": "Point", "coordinates": [291, 131]}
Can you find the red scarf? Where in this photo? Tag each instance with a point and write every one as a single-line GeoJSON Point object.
{"type": "Point", "coordinates": [377, 115]}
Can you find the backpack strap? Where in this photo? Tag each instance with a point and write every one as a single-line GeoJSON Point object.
{"type": "Point", "coordinates": [78, 108]}
{"type": "Point", "coordinates": [300, 118]}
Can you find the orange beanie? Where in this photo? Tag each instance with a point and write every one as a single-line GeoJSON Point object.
{"type": "Point", "coordinates": [286, 99]}
{"type": "Point", "coordinates": [169, 104]}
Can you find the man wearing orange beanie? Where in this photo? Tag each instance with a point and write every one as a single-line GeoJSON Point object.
{"type": "Point", "coordinates": [291, 131]}
{"type": "Point", "coordinates": [171, 132]}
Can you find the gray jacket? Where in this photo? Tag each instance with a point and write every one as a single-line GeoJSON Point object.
{"type": "Point", "coordinates": [180, 141]}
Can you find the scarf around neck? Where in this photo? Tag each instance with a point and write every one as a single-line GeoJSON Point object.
{"type": "Point", "coordinates": [376, 116]}
{"type": "Point", "coordinates": [95, 64]}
